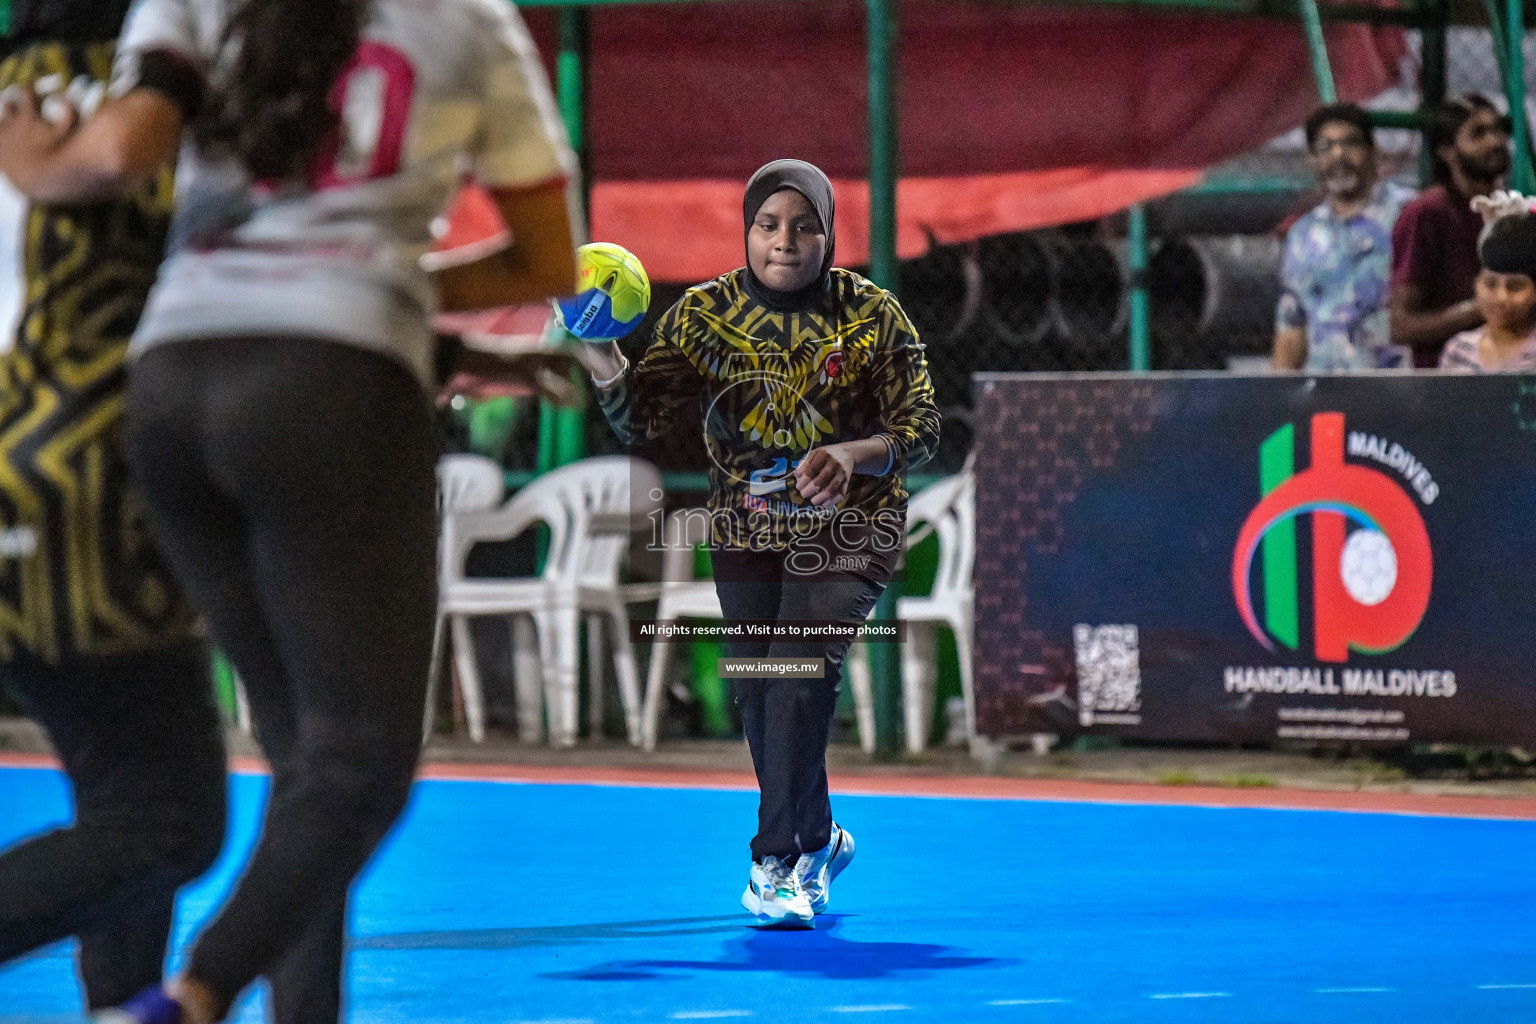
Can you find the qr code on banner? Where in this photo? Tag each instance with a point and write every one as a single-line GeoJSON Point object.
{"type": "Point", "coordinates": [1108, 674]}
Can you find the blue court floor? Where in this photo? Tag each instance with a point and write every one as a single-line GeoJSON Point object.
{"type": "Point", "coordinates": [498, 903]}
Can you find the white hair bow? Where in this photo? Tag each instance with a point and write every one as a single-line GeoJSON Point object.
{"type": "Point", "coordinates": [1500, 204]}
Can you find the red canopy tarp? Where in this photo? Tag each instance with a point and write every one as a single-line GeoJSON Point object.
{"type": "Point", "coordinates": [1010, 117]}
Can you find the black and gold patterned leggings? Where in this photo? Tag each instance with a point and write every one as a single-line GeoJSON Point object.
{"type": "Point", "coordinates": [141, 741]}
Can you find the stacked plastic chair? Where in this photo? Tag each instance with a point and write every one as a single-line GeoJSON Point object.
{"type": "Point", "coordinates": [946, 508]}
{"type": "Point", "coordinates": [591, 508]}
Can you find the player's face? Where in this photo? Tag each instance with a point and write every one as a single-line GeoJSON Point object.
{"type": "Point", "coordinates": [1482, 145]}
{"type": "Point", "coordinates": [1507, 301]}
{"type": "Point", "coordinates": [1344, 161]}
{"type": "Point", "coordinates": [786, 243]}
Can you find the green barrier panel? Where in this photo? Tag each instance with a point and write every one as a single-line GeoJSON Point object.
{"type": "Point", "coordinates": [224, 685]}
{"type": "Point", "coordinates": [490, 426]}
{"type": "Point", "coordinates": [922, 568]}
{"type": "Point", "coordinates": [708, 688]}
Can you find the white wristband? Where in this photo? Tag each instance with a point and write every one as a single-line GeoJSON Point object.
{"type": "Point", "coordinates": [611, 381]}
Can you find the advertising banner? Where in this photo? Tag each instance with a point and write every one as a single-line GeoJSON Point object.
{"type": "Point", "coordinates": [1253, 559]}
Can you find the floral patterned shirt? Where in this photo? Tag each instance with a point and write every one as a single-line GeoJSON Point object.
{"type": "Point", "coordinates": [1335, 281]}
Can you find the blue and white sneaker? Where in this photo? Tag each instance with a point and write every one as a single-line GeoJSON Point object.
{"type": "Point", "coordinates": [151, 1006]}
{"type": "Point", "coordinates": [817, 870]}
{"type": "Point", "coordinates": [775, 897]}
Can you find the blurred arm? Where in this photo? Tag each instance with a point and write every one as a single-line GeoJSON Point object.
{"type": "Point", "coordinates": [539, 264]}
{"type": "Point", "coordinates": [1420, 330]}
{"type": "Point", "coordinates": [1290, 348]}
{"type": "Point", "coordinates": [123, 142]}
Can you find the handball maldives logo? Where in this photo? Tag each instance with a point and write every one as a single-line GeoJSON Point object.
{"type": "Point", "coordinates": [1371, 562]}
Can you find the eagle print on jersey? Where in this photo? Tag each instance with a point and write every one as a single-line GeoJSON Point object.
{"type": "Point", "coordinates": [773, 386]}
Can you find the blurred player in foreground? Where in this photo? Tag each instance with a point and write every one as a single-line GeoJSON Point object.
{"type": "Point", "coordinates": [96, 641]}
{"type": "Point", "coordinates": [278, 417]}
{"type": "Point", "coordinates": [815, 399]}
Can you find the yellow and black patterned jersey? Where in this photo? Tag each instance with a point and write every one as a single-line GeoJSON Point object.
{"type": "Point", "coordinates": [772, 386]}
{"type": "Point", "coordinates": [79, 576]}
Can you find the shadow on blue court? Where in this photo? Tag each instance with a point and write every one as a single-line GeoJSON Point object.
{"type": "Point", "coordinates": [556, 935]}
{"type": "Point", "coordinates": [821, 954]}
{"type": "Point", "coordinates": [509, 903]}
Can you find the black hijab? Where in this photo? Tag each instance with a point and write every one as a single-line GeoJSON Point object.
{"type": "Point", "coordinates": [810, 182]}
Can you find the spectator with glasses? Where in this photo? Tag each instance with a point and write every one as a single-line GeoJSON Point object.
{"type": "Point", "coordinates": [1333, 302]}
{"type": "Point", "coordinates": [1434, 245]}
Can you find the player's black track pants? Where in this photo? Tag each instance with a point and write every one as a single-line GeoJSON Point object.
{"type": "Point", "coordinates": [788, 721]}
{"type": "Point", "coordinates": [141, 741]}
{"type": "Point", "coordinates": [291, 482]}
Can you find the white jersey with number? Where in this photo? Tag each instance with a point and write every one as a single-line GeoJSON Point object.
{"type": "Point", "coordinates": [437, 89]}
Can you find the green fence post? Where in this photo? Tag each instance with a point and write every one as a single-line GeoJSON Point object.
{"type": "Point", "coordinates": [1141, 305]}
{"type": "Point", "coordinates": [570, 437]}
{"type": "Point", "coordinates": [883, 266]}
{"type": "Point", "coordinates": [884, 664]}
{"type": "Point", "coordinates": [1431, 83]}
{"type": "Point", "coordinates": [1500, 39]}
{"type": "Point", "coordinates": [1318, 46]}
{"type": "Point", "coordinates": [1503, 46]}
{"type": "Point", "coordinates": [562, 434]}
{"type": "Point", "coordinates": [1514, 90]}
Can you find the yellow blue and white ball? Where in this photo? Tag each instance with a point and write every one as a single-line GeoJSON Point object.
{"type": "Point", "coordinates": [613, 293]}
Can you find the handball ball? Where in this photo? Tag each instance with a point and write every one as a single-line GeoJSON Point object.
{"type": "Point", "coordinates": [613, 293]}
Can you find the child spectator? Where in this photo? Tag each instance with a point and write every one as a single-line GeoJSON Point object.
{"type": "Point", "coordinates": [1505, 294]}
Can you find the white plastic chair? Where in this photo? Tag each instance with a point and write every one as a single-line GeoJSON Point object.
{"type": "Point", "coordinates": [467, 485]}
{"type": "Point", "coordinates": [947, 508]}
{"type": "Point", "coordinates": [682, 596]}
{"type": "Point", "coordinates": [591, 508]}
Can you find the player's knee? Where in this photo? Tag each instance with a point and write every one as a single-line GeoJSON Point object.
{"type": "Point", "coordinates": [169, 840]}
{"type": "Point", "coordinates": [364, 780]}
{"type": "Point", "coordinates": [197, 845]}
{"type": "Point", "coordinates": [192, 820]}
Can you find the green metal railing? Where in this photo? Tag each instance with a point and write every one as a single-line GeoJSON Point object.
{"type": "Point", "coordinates": [560, 430]}
{"type": "Point", "coordinates": [1141, 300]}
{"type": "Point", "coordinates": [1508, 52]}
{"type": "Point", "coordinates": [1317, 47]}
{"type": "Point", "coordinates": [1514, 91]}
{"type": "Point", "coordinates": [885, 271]}
{"type": "Point", "coordinates": [693, 483]}
{"type": "Point", "coordinates": [562, 433]}
{"type": "Point", "coordinates": [561, 438]}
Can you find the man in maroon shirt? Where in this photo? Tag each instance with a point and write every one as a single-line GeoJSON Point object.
{"type": "Point", "coordinates": [1434, 243]}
